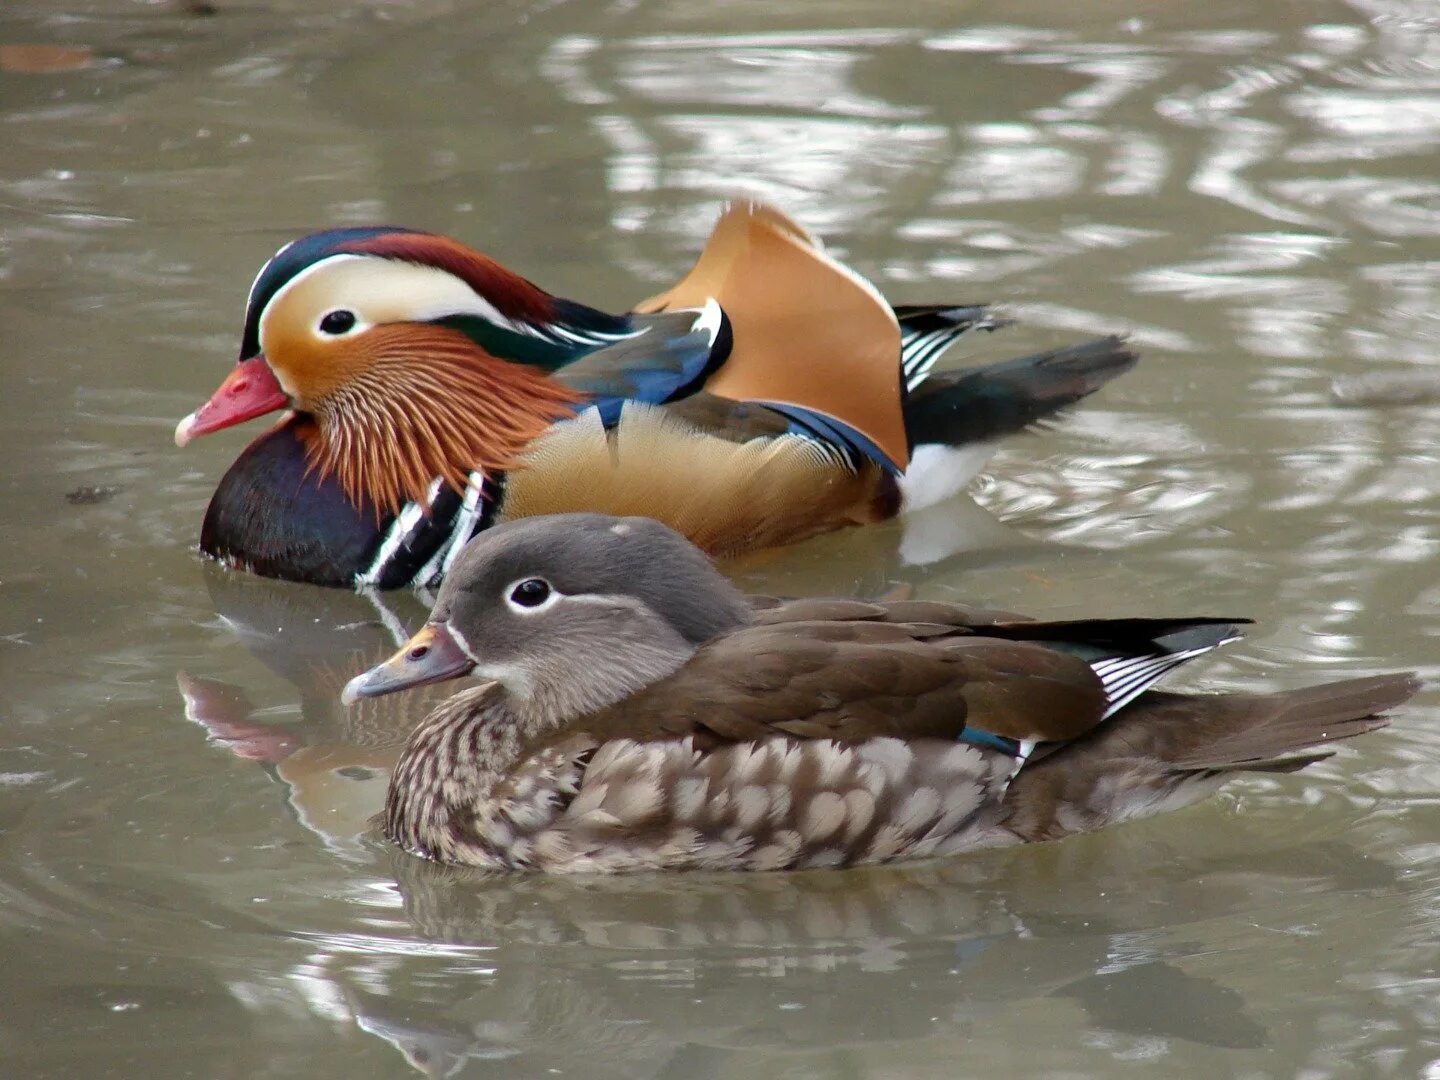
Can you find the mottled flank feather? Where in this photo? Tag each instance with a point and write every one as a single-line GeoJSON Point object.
{"type": "Point", "coordinates": [777, 804]}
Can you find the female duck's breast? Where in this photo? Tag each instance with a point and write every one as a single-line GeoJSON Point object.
{"type": "Point", "coordinates": [772, 805]}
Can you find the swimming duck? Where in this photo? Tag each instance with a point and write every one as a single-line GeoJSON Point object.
{"type": "Point", "coordinates": [639, 713]}
{"type": "Point", "coordinates": [429, 393]}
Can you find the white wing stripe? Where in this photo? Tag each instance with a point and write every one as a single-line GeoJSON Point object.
{"type": "Point", "coordinates": [1126, 677]}
{"type": "Point", "coordinates": [464, 523]}
{"type": "Point", "coordinates": [398, 533]}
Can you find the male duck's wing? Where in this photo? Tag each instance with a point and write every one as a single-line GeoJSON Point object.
{"type": "Point", "coordinates": [667, 356]}
{"type": "Point", "coordinates": [855, 680]}
{"type": "Point", "coordinates": [811, 337]}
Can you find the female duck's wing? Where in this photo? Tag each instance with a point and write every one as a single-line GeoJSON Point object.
{"type": "Point", "coordinates": [859, 680]}
{"type": "Point", "coordinates": [810, 336]}
{"type": "Point", "coordinates": [1127, 655]}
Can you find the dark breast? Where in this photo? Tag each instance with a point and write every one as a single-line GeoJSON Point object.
{"type": "Point", "coordinates": [274, 515]}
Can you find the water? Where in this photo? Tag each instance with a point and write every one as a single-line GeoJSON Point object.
{"type": "Point", "coordinates": [186, 882]}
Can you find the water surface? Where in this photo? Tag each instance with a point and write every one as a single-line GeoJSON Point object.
{"type": "Point", "coordinates": [1250, 190]}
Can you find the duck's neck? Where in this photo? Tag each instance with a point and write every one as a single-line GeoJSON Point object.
{"type": "Point", "coordinates": [429, 403]}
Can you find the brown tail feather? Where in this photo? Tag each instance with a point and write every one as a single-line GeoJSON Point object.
{"type": "Point", "coordinates": [1166, 750]}
{"type": "Point", "coordinates": [1294, 763]}
{"type": "Point", "coordinates": [1278, 725]}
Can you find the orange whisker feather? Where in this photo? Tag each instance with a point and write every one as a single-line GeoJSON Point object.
{"type": "Point", "coordinates": [426, 402]}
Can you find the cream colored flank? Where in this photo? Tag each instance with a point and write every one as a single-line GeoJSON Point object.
{"type": "Point", "coordinates": [725, 497]}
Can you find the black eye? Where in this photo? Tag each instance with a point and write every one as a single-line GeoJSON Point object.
{"type": "Point", "coordinates": [532, 592]}
{"type": "Point", "coordinates": [337, 322]}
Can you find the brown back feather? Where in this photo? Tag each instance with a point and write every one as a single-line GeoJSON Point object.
{"type": "Point", "coordinates": [856, 680]}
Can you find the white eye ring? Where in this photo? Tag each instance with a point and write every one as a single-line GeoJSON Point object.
{"type": "Point", "coordinates": [338, 323]}
{"type": "Point", "coordinates": [529, 595]}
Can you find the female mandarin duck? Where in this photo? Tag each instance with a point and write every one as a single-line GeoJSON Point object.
{"type": "Point", "coordinates": [772, 395]}
{"type": "Point", "coordinates": [640, 714]}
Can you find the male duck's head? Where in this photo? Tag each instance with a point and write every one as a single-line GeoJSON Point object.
{"type": "Point", "coordinates": [402, 347]}
{"type": "Point", "coordinates": [567, 613]}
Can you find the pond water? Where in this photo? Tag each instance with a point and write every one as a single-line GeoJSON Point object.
{"type": "Point", "coordinates": [1250, 190]}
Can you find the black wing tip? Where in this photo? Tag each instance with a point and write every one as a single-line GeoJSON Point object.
{"type": "Point", "coordinates": [1110, 354]}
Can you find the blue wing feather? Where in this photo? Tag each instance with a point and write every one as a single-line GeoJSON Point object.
{"type": "Point", "coordinates": [827, 429]}
{"type": "Point", "coordinates": [668, 358]}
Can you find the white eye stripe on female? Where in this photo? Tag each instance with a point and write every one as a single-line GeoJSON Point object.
{"type": "Point", "coordinates": [530, 595]}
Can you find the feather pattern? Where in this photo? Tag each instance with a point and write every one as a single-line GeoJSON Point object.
{"type": "Point", "coordinates": [453, 365]}
{"type": "Point", "coordinates": [728, 496]}
{"type": "Point", "coordinates": [927, 331]}
{"type": "Point", "coordinates": [390, 431]}
{"type": "Point", "coordinates": [806, 734]}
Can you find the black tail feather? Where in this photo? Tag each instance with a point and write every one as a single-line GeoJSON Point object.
{"type": "Point", "coordinates": [1124, 636]}
{"type": "Point", "coordinates": [982, 404]}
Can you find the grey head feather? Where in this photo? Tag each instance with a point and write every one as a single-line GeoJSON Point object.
{"type": "Point", "coordinates": [598, 554]}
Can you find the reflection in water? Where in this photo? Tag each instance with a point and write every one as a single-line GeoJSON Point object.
{"type": "Point", "coordinates": [723, 964]}
{"type": "Point", "coordinates": [1248, 189]}
{"type": "Point", "coordinates": [334, 761]}
{"type": "Point", "coordinates": [657, 974]}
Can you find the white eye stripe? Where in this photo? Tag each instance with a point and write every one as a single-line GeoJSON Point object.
{"type": "Point", "coordinates": [460, 640]}
{"type": "Point", "coordinates": [385, 291]}
{"type": "Point", "coordinates": [314, 268]}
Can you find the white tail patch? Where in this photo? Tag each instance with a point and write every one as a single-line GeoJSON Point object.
{"type": "Point", "coordinates": [938, 472]}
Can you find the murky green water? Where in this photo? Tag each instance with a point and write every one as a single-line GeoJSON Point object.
{"type": "Point", "coordinates": [1250, 189]}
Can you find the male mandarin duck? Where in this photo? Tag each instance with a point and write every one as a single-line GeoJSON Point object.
{"type": "Point", "coordinates": [638, 713]}
{"type": "Point", "coordinates": [770, 396]}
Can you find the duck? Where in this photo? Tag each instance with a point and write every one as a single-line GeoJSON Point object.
{"type": "Point", "coordinates": [427, 393]}
{"type": "Point", "coordinates": [637, 712]}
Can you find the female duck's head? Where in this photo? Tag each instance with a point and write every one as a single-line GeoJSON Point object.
{"type": "Point", "coordinates": [567, 613]}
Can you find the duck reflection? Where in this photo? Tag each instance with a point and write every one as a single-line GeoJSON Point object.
{"type": "Point", "coordinates": [672, 976]}
{"type": "Point", "coordinates": [333, 761]}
